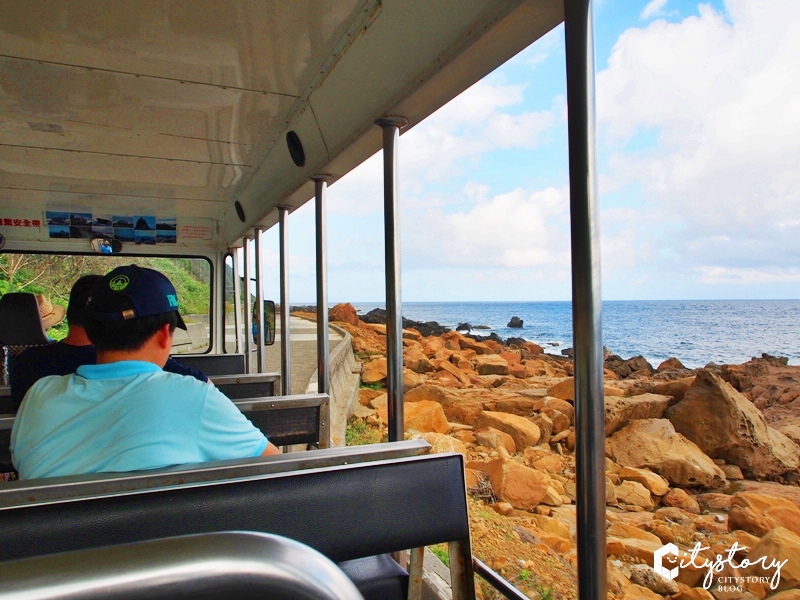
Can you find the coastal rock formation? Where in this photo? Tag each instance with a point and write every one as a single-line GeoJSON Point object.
{"type": "Point", "coordinates": [515, 323]}
{"type": "Point", "coordinates": [517, 432]}
{"type": "Point", "coordinates": [726, 425]}
{"type": "Point", "coordinates": [780, 545]}
{"type": "Point", "coordinates": [654, 444]}
{"type": "Point", "coordinates": [344, 313]}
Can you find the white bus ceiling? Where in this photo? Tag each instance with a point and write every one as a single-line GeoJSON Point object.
{"type": "Point", "coordinates": [182, 108]}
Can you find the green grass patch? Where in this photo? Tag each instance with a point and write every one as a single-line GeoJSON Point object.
{"type": "Point", "coordinates": [358, 434]}
{"type": "Point", "coordinates": [372, 386]}
{"type": "Point", "coordinates": [442, 553]}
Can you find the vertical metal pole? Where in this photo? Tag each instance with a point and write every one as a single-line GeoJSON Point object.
{"type": "Point", "coordinates": [586, 302]}
{"type": "Point", "coordinates": [237, 298]}
{"type": "Point", "coordinates": [248, 315]}
{"type": "Point", "coordinates": [394, 321]}
{"type": "Point", "coordinates": [323, 356]}
{"type": "Point", "coordinates": [261, 350]}
{"type": "Point", "coordinates": [286, 362]}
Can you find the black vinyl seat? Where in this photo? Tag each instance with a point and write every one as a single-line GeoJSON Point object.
{"type": "Point", "coordinates": [20, 328]}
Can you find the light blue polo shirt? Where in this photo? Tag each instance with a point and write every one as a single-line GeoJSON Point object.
{"type": "Point", "coordinates": [126, 416]}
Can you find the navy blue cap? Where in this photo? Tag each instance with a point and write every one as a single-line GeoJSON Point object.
{"type": "Point", "coordinates": [130, 293]}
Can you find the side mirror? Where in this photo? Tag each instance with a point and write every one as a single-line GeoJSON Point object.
{"type": "Point", "coordinates": [269, 323]}
{"type": "Point", "coordinates": [102, 245]}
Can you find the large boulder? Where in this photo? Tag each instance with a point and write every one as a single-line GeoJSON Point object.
{"type": "Point", "coordinates": [621, 410]}
{"type": "Point", "coordinates": [344, 313]}
{"type": "Point", "coordinates": [374, 371]}
{"type": "Point", "coordinates": [522, 487]}
{"type": "Point", "coordinates": [490, 364]}
{"type": "Point", "coordinates": [725, 424]}
{"type": "Point", "coordinates": [424, 416]}
{"type": "Point", "coordinates": [524, 432]}
{"type": "Point", "coordinates": [655, 483]}
{"type": "Point", "coordinates": [415, 359]}
{"type": "Point", "coordinates": [778, 545]}
{"type": "Point", "coordinates": [758, 513]}
{"type": "Point", "coordinates": [444, 443]}
{"type": "Point", "coordinates": [566, 390]}
{"type": "Point", "coordinates": [669, 364]}
{"type": "Point", "coordinates": [634, 494]}
{"type": "Point", "coordinates": [654, 444]}
{"type": "Point", "coordinates": [489, 437]}
{"type": "Point", "coordinates": [767, 381]}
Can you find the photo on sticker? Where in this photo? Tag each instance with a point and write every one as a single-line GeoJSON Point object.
{"type": "Point", "coordinates": [107, 232]}
{"type": "Point", "coordinates": [123, 221]}
{"type": "Point", "coordinates": [80, 219]}
{"type": "Point", "coordinates": [166, 237]}
{"type": "Point", "coordinates": [102, 221]}
{"type": "Point", "coordinates": [166, 223]}
{"type": "Point", "coordinates": [145, 237]}
{"type": "Point", "coordinates": [56, 217]}
{"type": "Point", "coordinates": [144, 223]}
{"type": "Point", "coordinates": [124, 234]}
{"type": "Point", "coordinates": [80, 233]}
{"type": "Point", "coordinates": [59, 231]}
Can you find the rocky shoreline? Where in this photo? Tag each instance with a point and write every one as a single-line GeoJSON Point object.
{"type": "Point", "coordinates": [693, 456]}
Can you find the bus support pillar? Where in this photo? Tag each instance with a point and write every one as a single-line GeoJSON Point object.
{"type": "Point", "coordinates": [261, 350]}
{"type": "Point", "coordinates": [286, 362]}
{"type": "Point", "coordinates": [394, 320]}
{"type": "Point", "coordinates": [320, 205]}
{"type": "Point", "coordinates": [586, 301]}
{"type": "Point", "coordinates": [237, 298]}
{"type": "Point", "coordinates": [248, 311]}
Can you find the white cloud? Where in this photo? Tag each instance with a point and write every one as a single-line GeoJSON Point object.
{"type": "Point", "coordinates": [446, 143]}
{"type": "Point", "coordinates": [715, 275]}
{"type": "Point", "coordinates": [653, 8]}
{"type": "Point", "coordinates": [509, 231]}
{"type": "Point", "coordinates": [721, 94]}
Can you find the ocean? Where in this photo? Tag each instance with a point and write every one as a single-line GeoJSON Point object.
{"type": "Point", "coordinates": [695, 331]}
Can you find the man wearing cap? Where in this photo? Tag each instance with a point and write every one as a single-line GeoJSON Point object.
{"type": "Point", "coordinates": [64, 357]}
{"type": "Point", "coordinates": [125, 413]}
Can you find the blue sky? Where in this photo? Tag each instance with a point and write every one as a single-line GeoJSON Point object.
{"type": "Point", "coordinates": [699, 138]}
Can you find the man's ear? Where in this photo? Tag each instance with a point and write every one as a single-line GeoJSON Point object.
{"type": "Point", "coordinates": [164, 336]}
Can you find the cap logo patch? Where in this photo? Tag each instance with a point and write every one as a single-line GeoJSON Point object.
{"type": "Point", "coordinates": [173, 301]}
{"type": "Point", "coordinates": [119, 283]}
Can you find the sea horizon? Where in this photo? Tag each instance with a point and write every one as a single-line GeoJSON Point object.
{"type": "Point", "coordinates": [697, 332]}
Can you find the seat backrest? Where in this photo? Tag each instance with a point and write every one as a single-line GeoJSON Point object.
{"type": "Point", "coordinates": [248, 386]}
{"type": "Point", "coordinates": [20, 323]}
{"type": "Point", "coordinates": [345, 511]}
{"type": "Point", "coordinates": [285, 420]}
{"type": "Point", "coordinates": [213, 364]}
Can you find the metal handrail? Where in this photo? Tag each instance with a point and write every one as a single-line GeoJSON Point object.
{"type": "Point", "coordinates": [496, 581]}
{"type": "Point", "coordinates": [222, 565]}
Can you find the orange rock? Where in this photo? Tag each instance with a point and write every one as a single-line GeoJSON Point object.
{"type": "Point", "coordinates": [366, 395]}
{"type": "Point", "coordinates": [778, 545]}
{"type": "Point", "coordinates": [444, 443]}
{"type": "Point", "coordinates": [681, 499]}
{"type": "Point", "coordinates": [670, 363]}
{"type": "Point", "coordinates": [432, 345]}
{"type": "Point", "coordinates": [424, 416]}
{"type": "Point", "coordinates": [489, 437]}
{"type": "Point", "coordinates": [374, 371]}
{"type": "Point", "coordinates": [519, 371]}
{"type": "Point", "coordinates": [344, 313]}
{"type": "Point", "coordinates": [532, 348]}
{"type": "Point", "coordinates": [491, 364]}
{"type": "Point", "coordinates": [637, 592]}
{"type": "Point", "coordinates": [512, 482]}
{"type": "Point", "coordinates": [524, 432]}
{"type": "Point", "coordinates": [512, 358]}
{"type": "Point", "coordinates": [454, 371]}
{"type": "Point", "coordinates": [447, 379]}
{"type": "Point", "coordinates": [758, 513]}
{"type": "Point", "coordinates": [427, 391]}
{"type": "Point", "coordinates": [415, 359]}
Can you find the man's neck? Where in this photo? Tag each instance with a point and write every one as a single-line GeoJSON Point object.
{"type": "Point", "coordinates": [112, 356]}
{"type": "Point", "coordinates": [76, 336]}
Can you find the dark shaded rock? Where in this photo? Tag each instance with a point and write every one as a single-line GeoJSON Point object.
{"type": "Point", "coordinates": [568, 352]}
{"type": "Point", "coordinates": [481, 327]}
{"type": "Point", "coordinates": [626, 367]}
{"type": "Point", "coordinates": [482, 338]}
{"type": "Point", "coordinates": [464, 327]}
{"type": "Point", "coordinates": [515, 341]}
{"type": "Point", "coordinates": [515, 322]}
{"type": "Point", "coordinates": [378, 315]}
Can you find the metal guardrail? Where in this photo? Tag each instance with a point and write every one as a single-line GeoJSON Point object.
{"type": "Point", "coordinates": [214, 565]}
{"type": "Point", "coordinates": [496, 581]}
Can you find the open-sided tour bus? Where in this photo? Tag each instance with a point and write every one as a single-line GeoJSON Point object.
{"type": "Point", "coordinates": [180, 131]}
